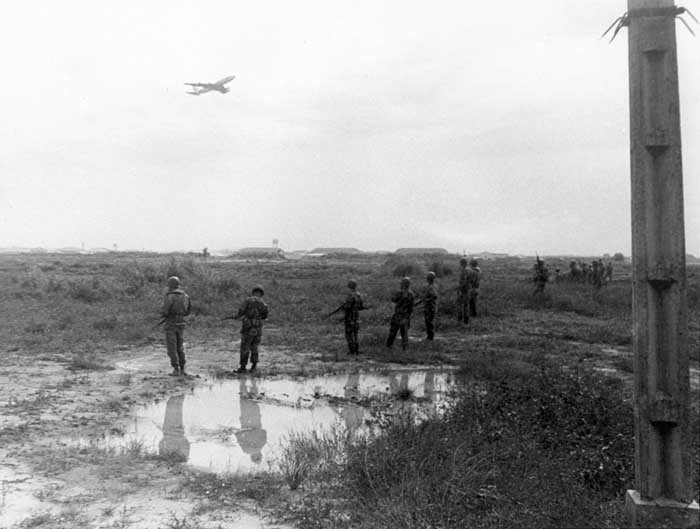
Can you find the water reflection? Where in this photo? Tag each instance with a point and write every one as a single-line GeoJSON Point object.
{"type": "Point", "coordinates": [353, 416]}
{"type": "Point", "coordinates": [174, 444]}
{"type": "Point", "coordinates": [251, 436]}
{"type": "Point", "coordinates": [238, 425]}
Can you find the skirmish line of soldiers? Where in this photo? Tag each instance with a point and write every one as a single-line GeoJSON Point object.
{"type": "Point", "coordinates": [254, 311]}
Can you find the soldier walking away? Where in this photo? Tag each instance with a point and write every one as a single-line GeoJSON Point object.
{"type": "Point", "coordinates": [251, 313]}
{"type": "Point", "coordinates": [473, 280]}
{"type": "Point", "coordinates": [351, 317]}
{"type": "Point", "coordinates": [403, 308]}
{"type": "Point", "coordinates": [608, 272]}
{"type": "Point", "coordinates": [463, 292]}
{"type": "Point", "coordinates": [175, 307]}
{"type": "Point", "coordinates": [597, 274]}
{"type": "Point", "coordinates": [430, 297]}
{"type": "Point", "coordinates": [541, 276]}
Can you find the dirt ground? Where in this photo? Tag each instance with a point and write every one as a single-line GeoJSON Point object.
{"type": "Point", "coordinates": [50, 399]}
{"type": "Point", "coordinates": [49, 482]}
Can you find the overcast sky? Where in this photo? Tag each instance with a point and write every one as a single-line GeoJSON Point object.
{"type": "Point", "coordinates": [500, 126]}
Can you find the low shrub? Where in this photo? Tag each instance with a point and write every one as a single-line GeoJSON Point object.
{"type": "Point", "coordinates": [510, 441]}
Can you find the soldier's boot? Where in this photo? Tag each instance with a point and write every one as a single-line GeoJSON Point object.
{"type": "Point", "coordinates": [241, 369]}
{"type": "Point", "coordinates": [182, 372]}
{"type": "Point", "coordinates": [176, 372]}
{"type": "Point", "coordinates": [253, 366]}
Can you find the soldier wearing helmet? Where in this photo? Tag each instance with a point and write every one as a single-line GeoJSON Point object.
{"type": "Point", "coordinates": [175, 307]}
{"type": "Point", "coordinates": [473, 280]}
{"type": "Point", "coordinates": [403, 301]}
{"type": "Point", "coordinates": [430, 297]}
{"type": "Point", "coordinates": [463, 292]}
{"type": "Point", "coordinates": [251, 313]}
{"type": "Point", "coordinates": [352, 306]}
{"type": "Point", "coordinates": [541, 276]}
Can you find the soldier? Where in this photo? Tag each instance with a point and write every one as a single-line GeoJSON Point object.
{"type": "Point", "coordinates": [403, 307]}
{"type": "Point", "coordinates": [175, 307]}
{"type": "Point", "coordinates": [541, 276]}
{"type": "Point", "coordinates": [473, 278]}
{"type": "Point", "coordinates": [351, 317]}
{"type": "Point", "coordinates": [430, 297]}
{"type": "Point", "coordinates": [597, 274]}
{"type": "Point", "coordinates": [463, 292]}
{"type": "Point", "coordinates": [608, 271]}
{"type": "Point", "coordinates": [252, 313]}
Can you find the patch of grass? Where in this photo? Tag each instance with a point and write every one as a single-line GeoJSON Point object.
{"type": "Point", "coordinates": [226, 489]}
{"type": "Point", "coordinates": [82, 361]}
{"type": "Point", "coordinates": [306, 454]}
{"type": "Point", "coordinates": [181, 523]}
{"type": "Point", "coordinates": [515, 436]}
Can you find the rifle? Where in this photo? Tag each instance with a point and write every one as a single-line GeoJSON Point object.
{"type": "Point", "coordinates": [336, 310]}
{"type": "Point", "coordinates": [230, 318]}
{"type": "Point", "coordinates": [161, 322]}
{"type": "Point", "coordinates": [421, 300]}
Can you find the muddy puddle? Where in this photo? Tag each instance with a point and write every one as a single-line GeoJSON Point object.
{"type": "Point", "coordinates": [237, 425]}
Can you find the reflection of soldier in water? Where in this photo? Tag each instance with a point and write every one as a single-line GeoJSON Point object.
{"type": "Point", "coordinates": [398, 387]}
{"type": "Point", "coordinates": [251, 437]}
{"type": "Point", "coordinates": [352, 415]}
{"type": "Point", "coordinates": [429, 385]}
{"type": "Point", "coordinates": [174, 444]}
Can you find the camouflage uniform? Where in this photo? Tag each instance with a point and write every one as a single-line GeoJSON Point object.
{"type": "Point", "coordinates": [463, 293]}
{"type": "Point", "coordinates": [351, 310]}
{"type": "Point", "coordinates": [597, 274]}
{"type": "Point", "coordinates": [473, 280]}
{"type": "Point", "coordinates": [609, 271]}
{"type": "Point", "coordinates": [401, 320]}
{"type": "Point", "coordinates": [430, 297]}
{"type": "Point", "coordinates": [541, 277]}
{"type": "Point", "coordinates": [176, 306]}
{"type": "Point", "coordinates": [252, 313]}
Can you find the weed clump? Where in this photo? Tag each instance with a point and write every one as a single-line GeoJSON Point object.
{"type": "Point", "coordinates": [515, 438]}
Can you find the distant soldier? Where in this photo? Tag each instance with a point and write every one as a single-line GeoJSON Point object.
{"type": "Point", "coordinates": [609, 271]}
{"type": "Point", "coordinates": [473, 280]}
{"type": "Point", "coordinates": [597, 274]}
{"type": "Point", "coordinates": [176, 306]}
{"type": "Point", "coordinates": [541, 276]}
{"type": "Point", "coordinates": [252, 313]}
{"type": "Point", "coordinates": [403, 308]}
{"type": "Point", "coordinates": [351, 317]}
{"type": "Point", "coordinates": [430, 297]}
{"type": "Point", "coordinates": [463, 292]}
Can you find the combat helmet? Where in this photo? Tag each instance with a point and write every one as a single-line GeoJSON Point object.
{"type": "Point", "coordinates": [258, 288]}
{"type": "Point", "coordinates": [463, 261]}
{"type": "Point", "coordinates": [173, 282]}
{"type": "Point", "coordinates": [430, 276]}
{"type": "Point", "coordinates": [473, 262]}
{"type": "Point", "coordinates": [352, 283]}
{"type": "Point", "coordinates": [405, 281]}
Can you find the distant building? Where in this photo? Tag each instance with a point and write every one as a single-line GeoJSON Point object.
{"type": "Point", "coordinates": [421, 251]}
{"type": "Point", "coordinates": [69, 249]}
{"type": "Point", "coordinates": [259, 253]}
{"type": "Point", "coordinates": [339, 250]}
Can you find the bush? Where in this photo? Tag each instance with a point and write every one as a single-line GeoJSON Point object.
{"type": "Point", "coordinates": [514, 439]}
{"type": "Point", "coordinates": [440, 269]}
{"type": "Point", "coordinates": [87, 291]}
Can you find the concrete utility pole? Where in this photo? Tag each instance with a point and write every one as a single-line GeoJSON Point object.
{"type": "Point", "coordinates": [661, 376]}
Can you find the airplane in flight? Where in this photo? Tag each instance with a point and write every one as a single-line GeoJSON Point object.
{"type": "Point", "coordinates": [202, 88]}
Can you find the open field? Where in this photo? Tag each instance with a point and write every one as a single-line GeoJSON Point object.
{"type": "Point", "coordinates": [80, 350]}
